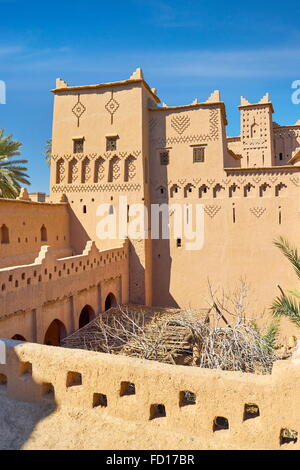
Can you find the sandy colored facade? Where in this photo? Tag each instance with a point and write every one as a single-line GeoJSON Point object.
{"type": "Point", "coordinates": [115, 139]}
{"type": "Point", "coordinates": [95, 385]}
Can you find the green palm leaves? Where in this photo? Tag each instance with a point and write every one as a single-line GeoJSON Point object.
{"type": "Point", "coordinates": [288, 304]}
{"type": "Point", "coordinates": [12, 172]}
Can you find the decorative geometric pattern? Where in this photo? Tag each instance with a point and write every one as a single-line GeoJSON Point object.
{"type": "Point", "coordinates": [99, 169]}
{"type": "Point", "coordinates": [226, 181]}
{"type": "Point", "coordinates": [196, 180]}
{"type": "Point", "coordinates": [86, 170]}
{"type": "Point", "coordinates": [187, 139]}
{"type": "Point", "coordinates": [71, 188]}
{"type": "Point", "coordinates": [78, 109]}
{"type": "Point", "coordinates": [295, 180]}
{"type": "Point", "coordinates": [180, 123]}
{"type": "Point", "coordinates": [115, 168]}
{"type": "Point", "coordinates": [211, 210]}
{"type": "Point", "coordinates": [73, 170]}
{"type": "Point", "coordinates": [210, 181]}
{"type": "Point", "coordinates": [214, 123]}
{"type": "Point", "coordinates": [111, 106]}
{"type": "Point", "coordinates": [60, 171]}
{"type": "Point", "coordinates": [273, 179]}
{"type": "Point", "coordinates": [257, 211]}
{"type": "Point", "coordinates": [256, 179]}
{"type": "Point", "coordinates": [130, 169]}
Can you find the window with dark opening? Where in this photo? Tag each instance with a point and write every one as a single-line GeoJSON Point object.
{"type": "Point", "coordinates": [164, 157]}
{"type": "Point", "coordinates": [111, 143]}
{"type": "Point", "coordinates": [198, 154]}
{"type": "Point", "coordinates": [157, 411]}
{"type": "Point", "coordinates": [99, 399]}
{"type": "Point", "coordinates": [78, 146]}
{"type": "Point", "coordinates": [187, 398]}
{"type": "Point", "coordinates": [178, 242]}
{"type": "Point", "coordinates": [127, 388]}
{"type": "Point", "coordinates": [220, 423]}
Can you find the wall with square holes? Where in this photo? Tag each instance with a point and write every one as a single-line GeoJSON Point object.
{"type": "Point", "coordinates": [229, 410]}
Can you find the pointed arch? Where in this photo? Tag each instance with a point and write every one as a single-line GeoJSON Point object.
{"type": "Point", "coordinates": [99, 170]}
{"type": "Point", "coordinates": [4, 234]}
{"type": "Point", "coordinates": [44, 235]}
{"type": "Point", "coordinates": [130, 168]}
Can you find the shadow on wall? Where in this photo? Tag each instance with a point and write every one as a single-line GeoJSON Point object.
{"type": "Point", "coordinates": [161, 257]}
{"type": "Point", "coordinates": [78, 235]}
{"type": "Point", "coordinates": [18, 418]}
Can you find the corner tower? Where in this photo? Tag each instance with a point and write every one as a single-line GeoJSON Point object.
{"type": "Point", "coordinates": [257, 132]}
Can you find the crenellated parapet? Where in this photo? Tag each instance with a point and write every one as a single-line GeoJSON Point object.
{"type": "Point", "coordinates": [49, 278]}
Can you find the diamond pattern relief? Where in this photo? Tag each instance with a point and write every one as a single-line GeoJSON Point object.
{"type": "Point", "coordinates": [111, 106]}
{"type": "Point", "coordinates": [78, 109]}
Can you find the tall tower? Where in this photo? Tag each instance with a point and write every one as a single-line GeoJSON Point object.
{"type": "Point", "coordinates": [257, 132]}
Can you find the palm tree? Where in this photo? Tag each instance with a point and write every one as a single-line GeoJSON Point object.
{"type": "Point", "coordinates": [12, 172]}
{"type": "Point", "coordinates": [288, 305]}
{"type": "Point", "coordinates": [48, 151]}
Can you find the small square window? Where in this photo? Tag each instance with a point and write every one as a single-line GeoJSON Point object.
{"type": "Point", "coordinates": [111, 143]}
{"type": "Point", "coordinates": [198, 154]}
{"type": "Point", "coordinates": [164, 157]}
{"type": "Point", "coordinates": [78, 146]}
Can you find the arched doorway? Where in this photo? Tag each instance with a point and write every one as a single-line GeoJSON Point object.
{"type": "Point", "coordinates": [55, 333]}
{"type": "Point", "coordinates": [18, 338]}
{"type": "Point", "coordinates": [87, 314]}
{"type": "Point", "coordinates": [110, 301]}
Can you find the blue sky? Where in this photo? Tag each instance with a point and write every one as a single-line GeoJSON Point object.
{"type": "Point", "coordinates": [187, 49]}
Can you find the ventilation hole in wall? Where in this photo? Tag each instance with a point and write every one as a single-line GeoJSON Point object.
{"type": "Point", "coordinates": [95, 260]}
{"type": "Point", "coordinates": [99, 399]}
{"type": "Point", "coordinates": [40, 278]}
{"type": "Point", "coordinates": [93, 199]}
{"type": "Point", "coordinates": [73, 379]}
{"type": "Point", "coordinates": [10, 278]}
{"type": "Point", "coordinates": [16, 284]}
{"type": "Point", "coordinates": [48, 391]}
{"type": "Point", "coordinates": [55, 269]}
{"type": "Point", "coordinates": [19, 240]}
{"type": "Point", "coordinates": [68, 271]}
{"type": "Point", "coordinates": [25, 369]}
{"type": "Point", "coordinates": [64, 237]}
{"type": "Point", "coordinates": [3, 287]}
{"type": "Point", "coordinates": [64, 266]}
{"type": "Point", "coordinates": [178, 242]}
{"type": "Point", "coordinates": [84, 209]}
{"type": "Point", "coordinates": [23, 276]}
{"type": "Point", "coordinates": [100, 258]}
{"type": "Point", "coordinates": [157, 411]}
{"type": "Point", "coordinates": [45, 271]}
{"type": "Point", "coordinates": [34, 273]}
{"type": "Point", "coordinates": [26, 240]}
{"type": "Point", "coordinates": [251, 411]}
{"type": "Point", "coordinates": [35, 238]}
{"type": "Point", "coordinates": [56, 237]}
{"type": "Point", "coordinates": [187, 398]}
{"type": "Point", "coordinates": [72, 265]}
{"type": "Point", "coordinates": [279, 215]}
{"type": "Point", "coordinates": [87, 262]}
{"type": "Point", "coordinates": [127, 388]}
{"type": "Point", "coordinates": [59, 273]}
{"type": "Point", "coordinates": [98, 263]}
{"type": "Point", "coordinates": [29, 281]}
{"type": "Point", "coordinates": [220, 423]}
{"type": "Point", "coordinates": [50, 276]}
{"type": "Point", "coordinates": [76, 269]}
{"type": "Point", "coordinates": [111, 198]}
{"type": "Point", "coordinates": [83, 267]}
{"type": "Point", "coordinates": [288, 436]}
{"type": "Point", "coordinates": [105, 261]}
{"type": "Point", "coordinates": [3, 381]}
{"type": "Point", "coordinates": [80, 263]}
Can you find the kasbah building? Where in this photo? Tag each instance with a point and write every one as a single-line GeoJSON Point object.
{"type": "Point", "coordinates": [116, 139]}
